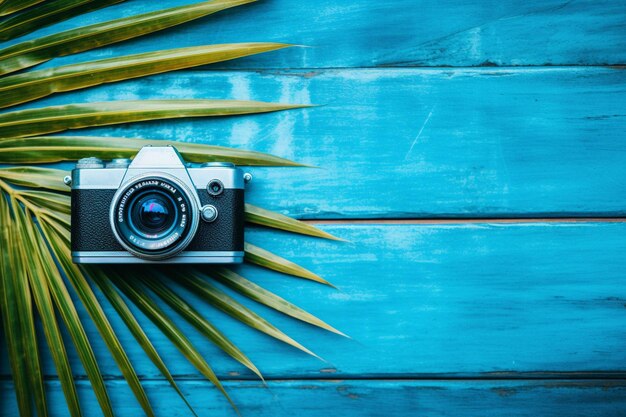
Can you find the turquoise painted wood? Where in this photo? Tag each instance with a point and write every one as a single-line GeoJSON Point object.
{"type": "Point", "coordinates": [453, 318]}
{"type": "Point", "coordinates": [362, 33]}
{"type": "Point", "coordinates": [453, 300]}
{"type": "Point", "coordinates": [373, 398]}
{"type": "Point", "coordinates": [405, 143]}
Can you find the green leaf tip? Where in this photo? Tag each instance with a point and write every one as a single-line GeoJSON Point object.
{"type": "Point", "coordinates": [267, 259]}
{"type": "Point", "coordinates": [268, 218]}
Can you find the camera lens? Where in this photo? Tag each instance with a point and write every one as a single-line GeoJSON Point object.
{"type": "Point", "coordinates": [154, 217]}
{"type": "Point", "coordinates": [153, 213]}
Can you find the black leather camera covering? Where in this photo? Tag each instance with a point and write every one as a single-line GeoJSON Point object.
{"type": "Point", "coordinates": [91, 229]}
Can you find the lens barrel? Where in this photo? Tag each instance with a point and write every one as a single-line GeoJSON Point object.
{"type": "Point", "coordinates": [154, 217]}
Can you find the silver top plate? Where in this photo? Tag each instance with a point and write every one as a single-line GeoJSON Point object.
{"type": "Point", "coordinates": [155, 160]}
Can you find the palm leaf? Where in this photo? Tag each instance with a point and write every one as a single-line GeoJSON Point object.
{"type": "Point", "coordinates": [35, 177]}
{"type": "Point", "coordinates": [65, 306]}
{"type": "Point", "coordinates": [38, 270]}
{"type": "Point", "coordinates": [233, 308]}
{"type": "Point", "coordinates": [30, 53]}
{"type": "Point", "coordinates": [199, 322]}
{"type": "Point", "coordinates": [33, 122]}
{"type": "Point", "coordinates": [94, 309]}
{"type": "Point", "coordinates": [118, 303]}
{"type": "Point", "coordinates": [47, 14]}
{"type": "Point", "coordinates": [11, 308]}
{"type": "Point", "coordinates": [267, 298]}
{"type": "Point", "coordinates": [61, 228]}
{"type": "Point", "coordinates": [263, 217]}
{"type": "Point", "coordinates": [11, 6]}
{"type": "Point", "coordinates": [269, 260]}
{"type": "Point", "coordinates": [44, 149]}
{"type": "Point", "coordinates": [169, 329]}
{"type": "Point", "coordinates": [39, 277]}
{"type": "Point", "coordinates": [23, 268]}
{"type": "Point", "coordinates": [29, 86]}
{"type": "Point", "coordinates": [54, 202]}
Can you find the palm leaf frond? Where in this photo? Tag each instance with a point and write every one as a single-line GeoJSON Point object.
{"type": "Point", "coordinates": [52, 332]}
{"type": "Point", "coordinates": [104, 284]}
{"type": "Point", "coordinates": [35, 177]}
{"type": "Point", "coordinates": [137, 294]}
{"type": "Point", "coordinates": [22, 88]}
{"type": "Point", "coordinates": [23, 268]}
{"type": "Point", "coordinates": [199, 322]}
{"type": "Point", "coordinates": [47, 14]}
{"type": "Point", "coordinates": [268, 218]}
{"type": "Point", "coordinates": [44, 149]}
{"type": "Point", "coordinates": [267, 298]}
{"type": "Point", "coordinates": [32, 242]}
{"type": "Point", "coordinates": [37, 276]}
{"type": "Point", "coordinates": [61, 225]}
{"type": "Point", "coordinates": [12, 308]}
{"type": "Point", "coordinates": [267, 259]}
{"type": "Point", "coordinates": [55, 202]}
{"type": "Point", "coordinates": [30, 53]}
{"type": "Point", "coordinates": [33, 122]}
{"type": "Point", "coordinates": [68, 313]}
{"type": "Point", "coordinates": [89, 300]}
{"type": "Point", "coordinates": [8, 7]}
{"type": "Point", "coordinates": [233, 308]}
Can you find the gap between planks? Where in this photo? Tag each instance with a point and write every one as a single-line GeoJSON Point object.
{"type": "Point", "coordinates": [471, 220]}
{"type": "Point", "coordinates": [618, 375]}
{"type": "Point", "coordinates": [474, 376]}
{"type": "Point", "coordinates": [279, 70]}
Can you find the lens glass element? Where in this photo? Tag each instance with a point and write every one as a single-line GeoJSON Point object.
{"type": "Point", "coordinates": [152, 213]}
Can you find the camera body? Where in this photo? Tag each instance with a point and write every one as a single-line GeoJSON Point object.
{"type": "Point", "coordinates": [156, 209]}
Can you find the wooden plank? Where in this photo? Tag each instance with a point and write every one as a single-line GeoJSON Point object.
{"type": "Point", "coordinates": [431, 300]}
{"type": "Point", "coordinates": [410, 143]}
{"type": "Point", "coordinates": [361, 33]}
{"type": "Point", "coordinates": [363, 398]}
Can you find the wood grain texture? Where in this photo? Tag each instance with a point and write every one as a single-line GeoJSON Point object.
{"type": "Point", "coordinates": [514, 318]}
{"type": "Point", "coordinates": [409, 143]}
{"type": "Point", "coordinates": [365, 398]}
{"type": "Point", "coordinates": [430, 300]}
{"type": "Point", "coordinates": [362, 33]}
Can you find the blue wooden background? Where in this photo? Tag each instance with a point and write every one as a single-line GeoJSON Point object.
{"type": "Point", "coordinates": [474, 155]}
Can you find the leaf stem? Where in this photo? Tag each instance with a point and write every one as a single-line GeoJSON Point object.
{"type": "Point", "coordinates": [15, 194]}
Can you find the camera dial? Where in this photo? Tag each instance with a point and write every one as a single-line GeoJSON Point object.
{"type": "Point", "coordinates": [90, 163]}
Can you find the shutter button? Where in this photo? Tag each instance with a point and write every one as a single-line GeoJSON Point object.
{"type": "Point", "coordinates": [208, 213]}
